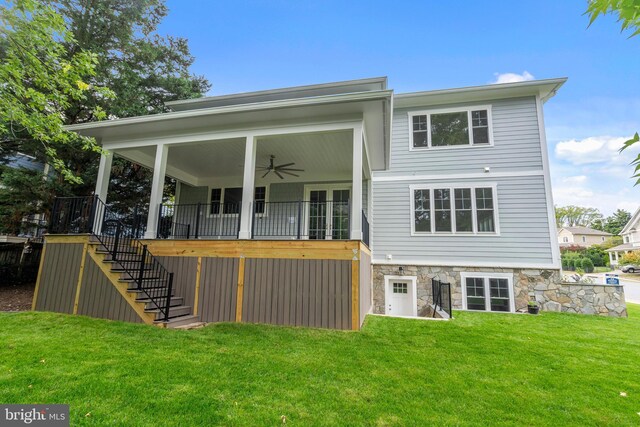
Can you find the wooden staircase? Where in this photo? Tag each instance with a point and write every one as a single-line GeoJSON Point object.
{"type": "Point", "coordinates": [140, 283]}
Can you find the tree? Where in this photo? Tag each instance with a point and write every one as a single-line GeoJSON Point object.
{"type": "Point", "coordinates": [573, 216]}
{"type": "Point", "coordinates": [144, 69]}
{"type": "Point", "coordinates": [628, 14]}
{"type": "Point", "coordinates": [39, 81]}
{"type": "Point", "coordinates": [616, 222]}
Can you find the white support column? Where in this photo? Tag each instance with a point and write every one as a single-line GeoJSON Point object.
{"type": "Point", "coordinates": [157, 187]}
{"type": "Point", "coordinates": [356, 186]}
{"type": "Point", "coordinates": [104, 174]}
{"type": "Point", "coordinates": [248, 185]}
{"type": "Point", "coordinates": [102, 186]}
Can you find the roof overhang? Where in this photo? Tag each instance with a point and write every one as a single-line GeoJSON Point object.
{"type": "Point", "coordinates": [295, 92]}
{"type": "Point", "coordinates": [545, 89]}
{"type": "Point", "coordinates": [633, 223]}
{"type": "Point", "coordinates": [373, 108]}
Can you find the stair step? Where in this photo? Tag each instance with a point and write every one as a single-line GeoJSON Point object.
{"type": "Point", "coordinates": [157, 292]}
{"type": "Point", "coordinates": [150, 305]}
{"type": "Point", "coordinates": [180, 321]}
{"type": "Point", "coordinates": [128, 279]}
{"type": "Point", "coordinates": [181, 310]}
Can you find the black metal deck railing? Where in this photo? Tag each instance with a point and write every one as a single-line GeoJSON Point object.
{"type": "Point", "coordinates": [441, 292]}
{"type": "Point", "coordinates": [270, 220]}
{"type": "Point", "coordinates": [119, 239]}
{"type": "Point", "coordinates": [199, 220]}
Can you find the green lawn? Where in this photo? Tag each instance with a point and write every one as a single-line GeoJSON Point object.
{"type": "Point", "coordinates": [479, 369]}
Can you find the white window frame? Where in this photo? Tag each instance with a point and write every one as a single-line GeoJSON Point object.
{"type": "Point", "coordinates": [452, 187]}
{"type": "Point", "coordinates": [485, 276]}
{"type": "Point", "coordinates": [223, 189]}
{"type": "Point", "coordinates": [468, 110]}
{"type": "Point", "coordinates": [412, 280]}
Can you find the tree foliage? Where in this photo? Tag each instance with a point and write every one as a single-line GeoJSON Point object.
{"type": "Point", "coordinates": [574, 216]}
{"type": "Point", "coordinates": [628, 15]}
{"type": "Point", "coordinates": [630, 258]}
{"type": "Point", "coordinates": [40, 80]}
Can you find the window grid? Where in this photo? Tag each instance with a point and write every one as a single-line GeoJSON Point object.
{"type": "Point", "coordinates": [488, 294]}
{"type": "Point", "coordinates": [422, 210]}
{"type": "Point", "coordinates": [400, 288]}
{"type": "Point", "coordinates": [231, 197]}
{"type": "Point", "coordinates": [442, 209]}
{"type": "Point", "coordinates": [451, 128]}
{"type": "Point", "coordinates": [484, 210]}
{"type": "Point", "coordinates": [471, 210]}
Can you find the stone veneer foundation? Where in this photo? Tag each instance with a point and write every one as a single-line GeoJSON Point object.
{"type": "Point", "coordinates": [541, 285]}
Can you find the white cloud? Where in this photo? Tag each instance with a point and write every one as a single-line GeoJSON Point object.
{"type": "Point", "coordinates": [512, 77]}
{"type": "Point", "coordinates": [595, 149]}
{"type": "Point", "coordinates": [575, 180]}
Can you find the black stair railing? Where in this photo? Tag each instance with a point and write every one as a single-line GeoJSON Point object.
{"type": "Point", "coordinates": [120, 240]}
{"type": "Point", "coordinates": [441, 292]}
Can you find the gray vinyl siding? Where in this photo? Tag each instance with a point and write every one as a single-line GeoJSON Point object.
{"type": "Point", "coordinates": [515, 135]}
{"type": "Point", "coordinates": [522, 217]}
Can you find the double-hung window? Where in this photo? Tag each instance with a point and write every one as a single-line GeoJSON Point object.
{"type": "Point", "coordinates": [487, 291]}
{"type": "Point", "coordinates": [451, 127]}
{"type": "Point", "coordinates": [229, 200]}
{"type": "Point", "coordinates": [458, 209]}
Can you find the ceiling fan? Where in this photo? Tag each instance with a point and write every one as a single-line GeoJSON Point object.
{"type": "Point", "coordinates": [279, 169]}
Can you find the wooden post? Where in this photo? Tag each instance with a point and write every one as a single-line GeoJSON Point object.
{"type": "Point", "coordinates": [197, 296]}
{"type": "Point", "coordinates": [80, 275]}
{"type": "Point", "coordinates": [240, 289]}
{"type": "Point", "coordinates": [355, 297]}
{"type": "Point", "coordinates": [39, 279]}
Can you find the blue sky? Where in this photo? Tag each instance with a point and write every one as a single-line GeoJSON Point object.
{"type": "Point", "coordinates": [242, 46]}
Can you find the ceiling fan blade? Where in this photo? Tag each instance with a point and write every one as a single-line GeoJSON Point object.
{"type": "Point", "coordinates": [291, 169]}
{"type": "Point", "coordinates": [285, 165]}
{"type": "Point", "coordinates": [278, 173]}
{"type": "Point", "coordinates": [266, 173]}
{"type": "Point", "coordinates": [288, 173]}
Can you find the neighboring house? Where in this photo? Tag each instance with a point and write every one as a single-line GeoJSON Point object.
{"type": "Point", "coordinates": [316, 205]}
{"type": "Point", "coordinates": [630, 239]}
{"type": "Point", "coordinates": [581, 236]}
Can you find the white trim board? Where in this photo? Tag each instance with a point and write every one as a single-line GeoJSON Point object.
{"type": "Point", "coordinates": [463, 264]}
{"type": "Point", "coordinates": [551, 218]}
{"type": "Point", "coordinates": [441, 177]}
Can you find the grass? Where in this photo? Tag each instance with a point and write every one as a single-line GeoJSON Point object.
{"type": "Point", "coordinates": [601, 269]}
{"type": "Point", "coordinates": [479, 369]}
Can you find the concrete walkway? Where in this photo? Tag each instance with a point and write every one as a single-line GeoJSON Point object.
{"type": "Point", "coordinates": [631, 285]}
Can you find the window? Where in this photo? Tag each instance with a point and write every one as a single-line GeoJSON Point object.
{"type": "Point", "coordinates": [603, 238]}
{"type": "Point", "coordinates": [488, 291]}
{"type": "Point", "coordinates": [422, 210]}
{"type": "Point", "coordinates": [565, 239]}
{"type": "Point", "coordinates": [453, 209]}
{"type": "Point", "coordinates": [399, 288]}
{"type": "Point", "coordinates": [442, 209]}
{"type": "Point", "coordinates": [484, 206]}
{"type": "Point", "coordinates": [231, 200]}
{"type": "Point", "coordinates": [451, 127]}
{"type": "Point", "coordinates": [584, 239]}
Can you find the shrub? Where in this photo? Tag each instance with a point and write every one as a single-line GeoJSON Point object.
{"type": "Point", "coordinates": [565, 263]}
{"type": "Point", "coordinates": [587, 265]}
{"type": "Point", "coordinates": [630, 258]}
{"type": "Point", "coordinates": [571, 264]}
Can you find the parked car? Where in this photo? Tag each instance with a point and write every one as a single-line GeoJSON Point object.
{"type": "Point", "coordinates": [630, 268]}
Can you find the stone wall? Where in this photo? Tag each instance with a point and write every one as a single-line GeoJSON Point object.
{"type": "Point", "coordinates": [543, 286]}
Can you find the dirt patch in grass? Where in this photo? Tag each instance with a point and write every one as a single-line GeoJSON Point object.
{"type": "Point", "coordinates": [16, 297]}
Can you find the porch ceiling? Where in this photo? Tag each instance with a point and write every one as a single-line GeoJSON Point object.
{"type": "Point", "coordinates": [322, 155]}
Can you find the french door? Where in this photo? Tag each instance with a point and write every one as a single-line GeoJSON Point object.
{"type": "Point", "coordinates": [327, 213]}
